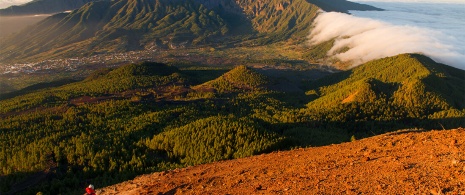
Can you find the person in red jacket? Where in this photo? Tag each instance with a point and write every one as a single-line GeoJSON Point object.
{"type": "Point", "coordinates": [90, 190]}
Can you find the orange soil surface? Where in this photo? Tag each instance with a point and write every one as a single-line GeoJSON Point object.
{"type": "Point", "coordinates": [403, 162]}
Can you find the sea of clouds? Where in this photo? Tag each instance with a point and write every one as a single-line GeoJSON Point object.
{"type": "Point", "coordinates": [434, 29]}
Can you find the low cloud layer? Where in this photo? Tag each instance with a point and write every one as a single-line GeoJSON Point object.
{"type": "Point", "coordinates": [369, 39]}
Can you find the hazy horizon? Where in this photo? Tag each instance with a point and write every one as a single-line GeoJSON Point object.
{"type": "Point", "coordinates": [8, 3]}
{"type": "Point", "coordinates": [13, 24]}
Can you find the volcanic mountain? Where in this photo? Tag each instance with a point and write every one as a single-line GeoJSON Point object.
{"type": "Point", "coordinates": [124, 25]}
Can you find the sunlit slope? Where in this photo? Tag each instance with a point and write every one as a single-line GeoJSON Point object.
{"type": "Point", "coordinates": [399, 87]}
{"type": "Point", "coordinates": [392, 163]}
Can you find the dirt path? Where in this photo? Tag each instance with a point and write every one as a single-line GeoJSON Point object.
{"type": "Point", "coordinates": [405, 162]}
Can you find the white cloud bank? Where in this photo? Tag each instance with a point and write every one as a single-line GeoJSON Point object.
{"type": "Point", "coordinates": [369, 39]}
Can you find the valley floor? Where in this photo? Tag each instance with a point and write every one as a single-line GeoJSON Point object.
{"type": "Point", "coordinates": [402, 162]}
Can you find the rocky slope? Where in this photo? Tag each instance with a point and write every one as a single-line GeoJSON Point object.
{"type": "Point", "coordinates": [402, 162]}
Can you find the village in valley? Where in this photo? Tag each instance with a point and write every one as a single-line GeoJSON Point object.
{"type": "Point", "coordinates": [73, 64]}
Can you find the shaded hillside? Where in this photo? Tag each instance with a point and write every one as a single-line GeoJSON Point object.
{"type": "Point", "coordinates": [43, 7]}
{"type": "Point", "coordinates": [395, 163]}
{"type": "Point", "coordinates": [122, 25]}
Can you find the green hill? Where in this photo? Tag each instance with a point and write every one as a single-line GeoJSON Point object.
{"type": "Point", "coordinates": [403, 87]}
{"type": "Point", "coordinates": [240, 79]}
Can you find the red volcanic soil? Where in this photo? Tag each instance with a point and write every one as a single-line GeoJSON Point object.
{"type": "Point", "coordinates": [403, 162]}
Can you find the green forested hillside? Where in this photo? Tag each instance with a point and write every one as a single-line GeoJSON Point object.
{"type": "Point", "coordinates": [240, 79]}
{"type": "Point", "coordinates": [397, 79]}
{"type": "Point", "coordinates": [146, 117]}
{"type": "Point", "coordinates": [215, 138]}
{"type": "Point", "coordinates": [393, 90]}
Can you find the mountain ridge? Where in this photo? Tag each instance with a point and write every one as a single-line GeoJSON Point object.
{"type": "Point", "coordinates": [152, 24]}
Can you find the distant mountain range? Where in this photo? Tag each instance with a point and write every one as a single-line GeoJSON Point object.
{"type": "Point", "coordinates": [42, 7]}
{"type": "Point", "coordinates": [124, 25]}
